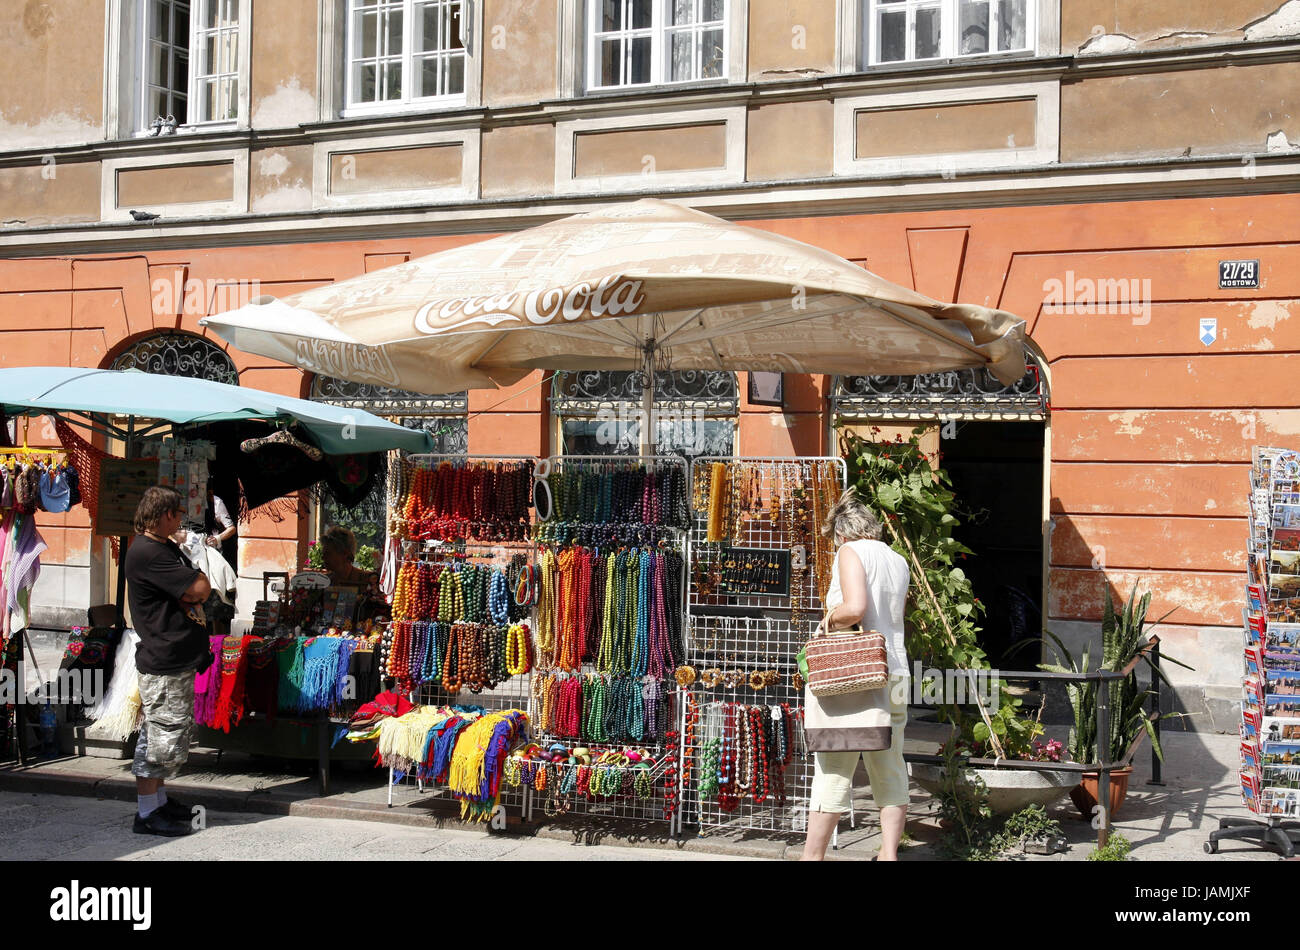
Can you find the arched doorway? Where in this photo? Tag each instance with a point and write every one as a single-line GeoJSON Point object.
{"type": "Point", "coordinates": [993, 441]}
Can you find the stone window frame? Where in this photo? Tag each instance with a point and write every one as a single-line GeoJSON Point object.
{"type": "Point", "coordinates": [735, 119]}
{"type": "Point", "coordinates": [124, 58]}
{"type": "Point", "coordinates": [332, 69]}
{"type": "Point", "coordinates": [575, 43]}
{"type": "Point", "coordinates": [238, 204]}
{"type": "Point", "coordinates": [853, 14]}
{"type": "Point", "coordinates": [470, 140]}
{"type": "Point", "coordinates": [1045, 150]}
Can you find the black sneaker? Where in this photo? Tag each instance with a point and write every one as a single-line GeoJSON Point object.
{"type": "Point", "coordinates": [176, 811]}
{"type": "Point", "coordinates": [159, 823]}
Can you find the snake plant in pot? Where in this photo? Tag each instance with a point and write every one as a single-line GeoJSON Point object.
{"type": "Point", "coordinates": [1124, 638]}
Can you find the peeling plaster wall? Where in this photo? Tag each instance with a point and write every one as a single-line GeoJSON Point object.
{"type": "Point", "coordinates": [280, 179]}
{"type": "Point", "coordinates": [283, 70]}
{"type": "Point", "coordinates": [519, 47]}
{"type": "Point", "coordinates": [1095, 27]}
{"type": "Point", "coordinates": [795, 37]}
{"type": "Point", "coordinates": [1191, 112]}
{"type": "Point", "coordinates": [51, 73]}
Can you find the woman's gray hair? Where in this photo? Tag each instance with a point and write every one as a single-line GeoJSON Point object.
{"type": "Point", "coordinates": [851, 520]}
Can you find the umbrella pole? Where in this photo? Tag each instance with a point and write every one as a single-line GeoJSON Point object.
{"type": "Point", "coordinates": [647, 398]}
{"type": "Point", "coordinates": [122, 541]}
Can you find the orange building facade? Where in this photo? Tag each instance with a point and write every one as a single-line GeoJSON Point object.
{"type": "Point", "coordinates": [1146, 448]}
{"type": "Point", "coordinates": [1086, 164]}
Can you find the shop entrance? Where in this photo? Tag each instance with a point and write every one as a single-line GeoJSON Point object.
{"type": "Point", "coordinates": [991, 440]}
{"type": "Point", "coordinates": [997, 472]}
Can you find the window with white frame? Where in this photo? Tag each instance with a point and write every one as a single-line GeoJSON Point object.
{"type": "Point", "coordinates": [655, 42]}
{"type": "Point", "coordinates": [190, 63]}
{"type": "Point", "coordinates": [896, 31]}
{"type": "Point", "coordinates": [404, 52]}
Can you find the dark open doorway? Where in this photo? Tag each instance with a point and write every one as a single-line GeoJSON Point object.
{"type": "Point", "coordinates": [997, 473]}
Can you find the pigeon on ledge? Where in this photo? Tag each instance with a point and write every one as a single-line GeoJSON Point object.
{"type": "Point", "coordinates": [144, 215]}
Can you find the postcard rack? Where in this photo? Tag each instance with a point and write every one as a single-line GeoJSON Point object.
{"type": "Point", "coordinates": [758, 575]}
{"type": "Point", "coordinates": [1270, 704]}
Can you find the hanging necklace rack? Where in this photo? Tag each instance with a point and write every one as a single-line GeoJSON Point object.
{"type": "Point", "coordinates": [745, 626]}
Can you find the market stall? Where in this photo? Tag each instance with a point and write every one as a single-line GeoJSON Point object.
{"type": "Point", "coordinates": [669, 600]}
{"type": "Point", "coordinates": [173, 431]}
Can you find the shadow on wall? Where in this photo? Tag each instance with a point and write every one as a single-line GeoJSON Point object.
{"type": "Point", "coordinates": [1209, 694]}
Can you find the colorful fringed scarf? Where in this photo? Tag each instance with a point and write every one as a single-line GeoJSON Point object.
{"type": "Point", "coordinates": [118, 711]}
{"type": "Point", "coordinates": [320, 658]}
{"type": "Point", "coordinates": [290, 665]}
{"type": "Point", "coordinates": [477, 763]}
{"type": "Point", "coordinates": [401, 741]}
{"type": "Point", "coordinates": [234, 667]}
{"type": "Point", "coordinates": [207, 685]}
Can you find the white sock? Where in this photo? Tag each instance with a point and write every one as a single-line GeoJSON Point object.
{"type": "Point", "coordinates": [148, 804]}
{"type": "Point", "coordinates": [162, 796]}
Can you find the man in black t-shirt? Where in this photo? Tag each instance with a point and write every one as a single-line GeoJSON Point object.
{"type": "Point", "coordinates": [163, 591]}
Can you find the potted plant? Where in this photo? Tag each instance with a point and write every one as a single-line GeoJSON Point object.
{"type": "Point", "coordinates": [1124, 638]}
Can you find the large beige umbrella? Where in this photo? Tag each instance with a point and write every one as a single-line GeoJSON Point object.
{"type": "Point", "coordinates": [641, 285]}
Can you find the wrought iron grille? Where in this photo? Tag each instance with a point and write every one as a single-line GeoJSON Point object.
{"type": "Point", "coordinates": [935, 395]}
{"type": "Point", "coordinates": [173, 353]}
{"type": "Point", "coordinates": [382, 400]}
{"type": "Point", "coordinates": [585, 393]}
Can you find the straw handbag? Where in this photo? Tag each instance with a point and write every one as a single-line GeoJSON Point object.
{"type": "Point", "coordinates": [847, 661]}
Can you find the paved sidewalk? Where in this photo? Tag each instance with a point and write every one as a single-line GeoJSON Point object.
{"type": "Point", "coordinates": [1164, 823]}
{"type": "Point", "coordinates": [36, 827]}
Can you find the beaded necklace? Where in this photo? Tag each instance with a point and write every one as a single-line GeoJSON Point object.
{"type": "Point", "coordinates": [605, 658]}
{"type": "Point", "coordinates": [545, 606]}
{"type": "Point", "coordinates": [641, 646]}
{"type": "Point", "coordinates": [594, 708]}
{"type": "Point", "coordinates": [635, 712]}
{"type": "Point", "coordinates": [518, 649]}
{"type": "Point", "coordinates": [499, 599]}
{"type": "Point", "coordinates": [759, 751]}
{"type": "Point", "coordinates": [451, 668]}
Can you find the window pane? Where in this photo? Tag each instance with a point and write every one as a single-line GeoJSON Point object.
{"type": "Point", "coordinates": [712, 54]}
{"type": "Point", "coordinates": [609, 15]}
{"type": "Point", "coordinates": [682, 63]}
{"type": "Point", "coordinates": [1011, 25]}
{"type": "Point", "coordinates": [642, 13]}
{"type": "Point", "coordinates": [611, 57]}
{"type": "Point", "coordinates": [640, 71]}
{"type": "Point", "coordinates": [454, 76]}
{"type": "Point", "coordinates": [180, 109]}
{"type": "Point", "coordinates": [973, 27]}
{"type": "Point", "coordinates": [159, 59]}
{"type": "Point", "coordinates": [927, 33]}
{"type": "Point", "coordinates": [207, 98]}
{"type": "Point", "coordinates": [426, 76]}
{"type": "Point", "coordinates": [181, 24]}
{"type": "Point", "coordinates": [208, 55]}
{"type": "Point", "coordinates": [180, 73]}
{"type": "Point", "coordinates": [157, 103]}
{"type": "Point", "coordinates": [394, 32]}
{"type": "Point", "coordinates": [392, 80]}
{"type": "Point", "coordinates": [454, 27]}
{"type": "Point", "coordinates": [208, 16]}
{"type": "Point", "coordinates": [368, 85]}
{"type": "Point", "coordinates": [426, 28]}
{"type": "Point", "coordinates": [893, 36]}
{"type": "Point", "coordinates": [682, 12]}
{"type": "Point", "coordinates": [159, 21]}
{"type": "Point", "coordinates": [714, 11]}
{"type": "Point", "coordinates": [369, 29]}
{"type": "Point", "coordinates": [230, 98]}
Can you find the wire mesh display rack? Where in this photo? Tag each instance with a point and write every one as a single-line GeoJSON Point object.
{"type": "Point", "coordinates": [752, 602]}
{"type": "Point", "coordinates": [513, 693]}
{"type": "Point", "coordinates": [626, 805]}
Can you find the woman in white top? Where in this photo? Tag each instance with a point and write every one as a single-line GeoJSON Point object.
{"type": "Point", "coordinates": [869, 584]}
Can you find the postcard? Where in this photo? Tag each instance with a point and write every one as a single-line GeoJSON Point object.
{"type": "Point", "coordinates": [1280, 801]}
{"type": "Point", "coordinates": [1286, 539]}
{"type": "Point", "coordinates": [1283, 705]}
{"type": "Point", "coordinates": [1282, 776]}
{"type": "Point", "coordinates": [1282, 637]}
{"type": "Point", "coordinates": [1286, 516]}
{"type": "Point", "coordinates": [1279, 753]}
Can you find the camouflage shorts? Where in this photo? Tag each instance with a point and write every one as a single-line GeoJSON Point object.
{"type": "Point", "coordinates": [164, 743]}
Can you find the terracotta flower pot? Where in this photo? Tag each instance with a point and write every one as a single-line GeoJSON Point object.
{"type": "Point", "coordinates": [1084, 795]}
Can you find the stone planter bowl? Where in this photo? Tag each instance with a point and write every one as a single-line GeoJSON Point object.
{"type": "Point", "coordinates": [1009, 790]}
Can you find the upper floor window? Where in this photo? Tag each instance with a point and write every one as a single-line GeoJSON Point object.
{"type": "Point", "coordinates": [191, 63]}
{"type": "Point", "coordinates": [404, 52]}
{"type": "Point", "coordinates": [896, 31]}
{"type": "Point", "coordinates": [654, 42]}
